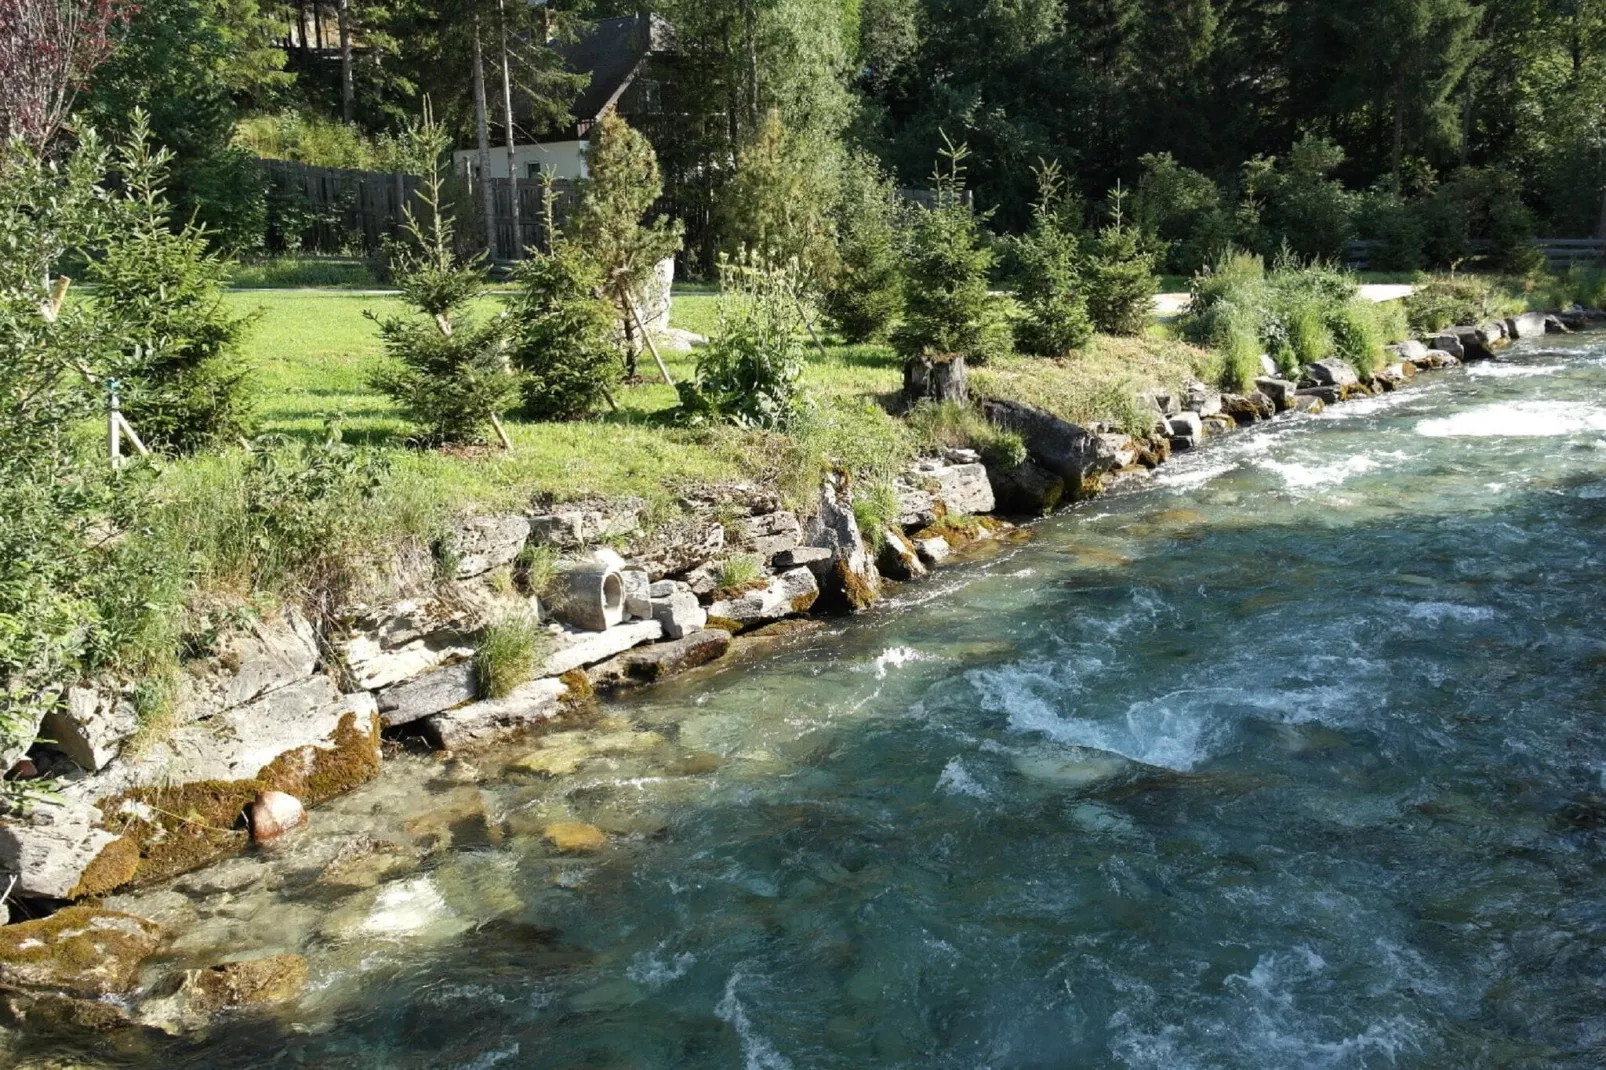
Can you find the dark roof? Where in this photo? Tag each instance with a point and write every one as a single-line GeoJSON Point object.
{"type": "Point", "coordinates": [610, 50]}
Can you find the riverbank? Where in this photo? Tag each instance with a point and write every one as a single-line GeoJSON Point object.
{"type": "Point", "coordinates": [1281, 652]}
{"type": "Point", "coordinates": [300, 710]}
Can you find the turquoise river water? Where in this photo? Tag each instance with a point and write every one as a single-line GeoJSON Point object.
{"type": "Point", "coordinates": [1293, 757]}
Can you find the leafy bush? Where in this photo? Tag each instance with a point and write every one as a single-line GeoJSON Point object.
{"type": "Point", "coordinates": [1235, 335]}
{"type": "Point", "coordinates": [320, 142]}
{"type": "Point", "coordinates": [1578, 285]}
{"type": "Point", "coordinates": [450, 373]}
{"type": "Point", "coordinates": [563, 333]}
{"type": "Point", "coordinates": [1050, 285]}
{"type": "Point", "coordinates": [866, 296]}
{"type": "Point", "coordinates": [1480, 204]}
{"type": "Point", "coordinates": [751, 372]}
{"type": "Point", "coordinates": [1465, 299]}
{"type": "Point", "coordinates": [295, 506]}
{"type": "Point", "coordinates": [66, 512]}
{"type": "Point", "coordinates": [1121, 283]}
{"type": "Point", "coordinates": [507, 655]}
{"type": "Point", "coordinates": [948, 310]}
{"type": "Point", "coordinates": [1299, 204]}
{"type": "Point", "coordinates": [1185, 210]}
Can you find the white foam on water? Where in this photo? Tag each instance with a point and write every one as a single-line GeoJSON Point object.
{"type": "Point", "coordinates": [654, 970]}
{"type": "Point", "coordinates": [895, 657]}
{"type": "Point", "coordinates": [406, 907]}
{"type": "Point", "coordinates": [1169, 731]}
{"type": "Point", "coordinates": [956, 780]}
{"type": "Point", "coordinates": [1519, 419]}
{"type": "Point", "coordinates": [1439, 612]}
{"type": "Point", "coordinates": [1512, 371]}
{"type": "Point", "coordinates": [1192, 477]}
{"type": "Point", "coordinates": [490, 1058]}
{"type": "Point", "coordinates": [1296, 476]}
{"type": "Point", "coordinates": [757, 1051]}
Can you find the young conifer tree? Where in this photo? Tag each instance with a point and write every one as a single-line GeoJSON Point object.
{"type": "Point", "coordinates": [449, 370]}
{"type": "Point", "coordinates": [948, 310]}
{"type": "Point", "coordinates": [564, 339]}
{"type": "Point", "coordinates": [621, 186]}
{"type": "Point", "coordinates": [182, 381]}
{"type": "Point", "coordinates": [1056, 319]}
{"type": "Point", "coordinates": [866, 295]}
{"type": "Point", "coordinates": [1121, 282]}
{"type": "Point", "coordinates": [779, 205]}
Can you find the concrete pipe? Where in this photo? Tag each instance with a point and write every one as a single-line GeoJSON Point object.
{"type": "Point", "coordinates": [589, 595]}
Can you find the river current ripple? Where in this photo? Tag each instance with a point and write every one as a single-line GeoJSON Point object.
{"type": "Point", "coordinates": [1295, 757]}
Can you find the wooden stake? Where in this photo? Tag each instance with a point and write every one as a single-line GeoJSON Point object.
{"type": "Point", "coordinates": [801, 311]}
{"type": "Point", "coordinates": [128, 429]}
{"type": "Point", "coordinates": [501, 432]}
{"type": "Point", "coordinates": [51, 309]}
{"type": "Point", "coordinates": [646, 334]}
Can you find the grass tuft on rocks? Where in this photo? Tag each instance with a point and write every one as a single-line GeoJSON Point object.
{"type": "Point", "coordinates": [507, 655]}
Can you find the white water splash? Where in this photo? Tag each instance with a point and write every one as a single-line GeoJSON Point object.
{"type": "Point", "coordinates": [757, 1051]}
{"type": "Point", "coordinates": [1512, 371]}
{"type": "Point", "coordinates": [956, 780]}
{"type": "Point", "coordinates": [1297, 476]}
{"type": "Point", "coordinates": [1192, 477]}
{"type": "Point", "coordinates": [894, 658]}
{"type": "Point", "coordinates": [651, 969]}
{"type": "Point", "coordinates": [1439, 612]}
{"type": "Point", "coordinates": [1522, 419]}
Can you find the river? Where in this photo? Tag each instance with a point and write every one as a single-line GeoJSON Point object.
{"type": "Point", "coordinates": [1295, 757]}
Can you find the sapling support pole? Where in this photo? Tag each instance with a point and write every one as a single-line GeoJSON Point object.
{"type": "Point", "coordinates": [501, 432]}
{"type": "Point", "coordinates": [630, 310]}
{"type": "Point", "coordinates": [117, 427]}
{"type": "Point", "coordinates": [804, 313]}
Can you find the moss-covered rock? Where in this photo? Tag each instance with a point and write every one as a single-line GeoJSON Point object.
{"type": "Point", "coordinates": [80, 951]}
{"type": "Point", "coordinates": [575, 837]}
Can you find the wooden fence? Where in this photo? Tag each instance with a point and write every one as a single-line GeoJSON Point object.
{"type": "Point", "coordinates": [1559, 253]}
{"type": "Point", "coordinates": [338, 210]}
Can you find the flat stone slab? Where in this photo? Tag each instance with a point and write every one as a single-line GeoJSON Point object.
{"type": "Point", "coordinates": [659, 661]}
{"type": "Point", "coordinates": [576, 650]}
{"type": "Point", "coordinates": [433, 692]}
{"type": "Point", "coordinates": [490, 719]}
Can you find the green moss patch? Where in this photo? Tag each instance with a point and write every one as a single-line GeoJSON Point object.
{"type": "Point", "coordinates": [80, 950]}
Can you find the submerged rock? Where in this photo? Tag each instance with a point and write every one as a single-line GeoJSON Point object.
{"type": "Point", "coordinates": [575, 837]}
{"type": "Point", "coordinates": [80, 951]}
{"type": "Point", "coordinates": [247, 983]}
{"type": "Point", "coordinates": [366, 862]}
{"type": "Point", "coordinates": [1082, 768]}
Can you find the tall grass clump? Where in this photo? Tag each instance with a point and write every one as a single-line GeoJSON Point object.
{"type": "Point", "coordinates": [875, 508]}
{"type": "Point", "coordinates": [948, 425]}
{"type": "Point", "coordinates": [507, 655]}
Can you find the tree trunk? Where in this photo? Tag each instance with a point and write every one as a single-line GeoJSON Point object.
{"type": "Point", "coordinates": [487, 200]}
{"type": "Point", "coordinates": [507, 117]}
{"type": "Point", "coordinates": [317, 21]}
{"type": "Point", "coordinates": [750, 46]}
{"type": "Point", "coordinates": [1397, 149]}
{"type": "Point", "coordinates": [935, 379]}
{"type": "Point", "coordinates": [348, 93]}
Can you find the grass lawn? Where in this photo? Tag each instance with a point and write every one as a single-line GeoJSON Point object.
{"type": "Point", "coordinates": [313, 351]}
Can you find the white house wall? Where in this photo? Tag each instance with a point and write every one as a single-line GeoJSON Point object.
{"type": "Point", "coordinates": [564, 159]}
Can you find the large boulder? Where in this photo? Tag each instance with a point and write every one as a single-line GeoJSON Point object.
{"type": "Point", "coordinates": [1333, 372]}
{"type": "Point", "coordinates": [576, 650]}
{"type": "Point", "coordinates": [486, 542]}
{"type": "Point", "coordinates": [676, 608]}
{"type": "Point", "coordinates": [386, 645]}
{"type": "Point", "coordinates": [956, 488]}
{"type": "Point", "coordinates": [79, 951]}
{"type": "Point", "coordinates": [769, 533]}
{"type": "Point", "coordinates": [787, 594]}
{"type": "Point", "coordinates": [1199, 398]}
{"type": "Point", "coordinates": [1279, 391]}
{"type": "Point", "coordinates": [1247, 408]}
{"type": "Point", "coordinates": [1027, 489]}
{"type": "Point", "coordinates": [573, 526]}
{"type": "Point", "coordinates": [898, 558]}
{"type": "Point", "coordinates": [1074, 454]}
{"type": "Point", "coordinates": [1410, 350]}
{"type": "Point", "coordinates": [1447, 342]}
{"type": "Point", "coordinates": [1477, 343]}
{"type": "Point", "coordinates": [848, 579]}
{"type": "Point", "coordinates": [268, 653]}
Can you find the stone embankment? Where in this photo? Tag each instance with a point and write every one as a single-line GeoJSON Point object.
{"type": "Point", "coordinates": [284, 714]}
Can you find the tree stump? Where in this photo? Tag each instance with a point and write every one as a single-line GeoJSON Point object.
{"type": "Point", "coordinates": [939, 379]}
